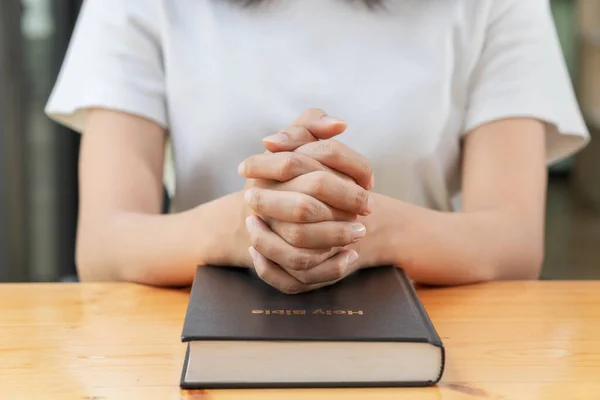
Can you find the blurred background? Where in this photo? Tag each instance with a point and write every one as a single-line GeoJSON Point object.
{"type": "Point", "coordinates": [38, 158]}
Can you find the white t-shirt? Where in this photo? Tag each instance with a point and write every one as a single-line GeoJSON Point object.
{"type": "Point", "coordinates": [410, 79]}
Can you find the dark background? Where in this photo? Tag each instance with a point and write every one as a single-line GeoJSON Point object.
{"type": "Point", "coordinates": [38, 168]}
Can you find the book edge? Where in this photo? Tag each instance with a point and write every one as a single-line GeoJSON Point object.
{"type": "Point", "coordinates": [303, 385]}
{"type": "Point", "coordinates": [390, 339]}
{"type": "Point", "coordinates": [442, 364]}
{"type": "Point", "coordinates": [186, 361]}
{"type": "Point", "coordinates": [434, 338]}
{"type": "Point", "coordinates": [184, 385]}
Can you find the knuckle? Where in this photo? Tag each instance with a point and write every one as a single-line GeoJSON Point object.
{"type": "Point", "coordinates": [315, 112]}
{"type": "Point", "coordinates": [255, 199]}
{"type": "Point", "coordinates": [318, 182]}
{"type": "Point", "coordinates": [338, 270]}
{"type": "Point", "coordinates": [303, 278]}
{"type": "Point", "coordinates": [296, 235]}
{"type": "Point", "coordinates": [300, 261]}
{"type": "Point", "coordinates": [342, 235]}
{"type": "Point", "coordinates": [367, 169]}
{"type": "Point", "coordinates": [302, 131]}
{"type": "Point", "coordinates": [289, 167]}
{"type": "Point", "coordinates": [305, 210]}
{"type": "Point", "coordinates": [361, 199]}
{"type": "Point", "coordinates": [291, 288]}
{"type": "Point", "coordinates": [256, 241]}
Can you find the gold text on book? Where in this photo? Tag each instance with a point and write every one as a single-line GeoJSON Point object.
{"type": "Point", "coordinates": [305, 312]}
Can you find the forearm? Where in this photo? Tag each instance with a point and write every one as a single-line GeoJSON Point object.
{"type": "Point", "coordinates": [444, 248]}
{"type": "Point", "coordinates": [161, 250]}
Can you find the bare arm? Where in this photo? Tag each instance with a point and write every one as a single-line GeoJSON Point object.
{"type": "Point", "coordinates": [123, 236]}
{"type": "Point", "coordinates": [500, 231]}
{"type": "Point", "coordinates": [121, 233]}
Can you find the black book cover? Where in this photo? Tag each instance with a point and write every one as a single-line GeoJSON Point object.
{"type": "Point", "coordinates": [374, 304]}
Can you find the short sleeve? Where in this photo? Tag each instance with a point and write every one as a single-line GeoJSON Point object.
{"type": "Point", "coordinates": [113, 61]}
{"type": "Point", "coordinates": [521, 72]}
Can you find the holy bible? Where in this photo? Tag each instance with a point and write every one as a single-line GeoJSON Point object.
{"type": "Point", "coordinates": [369, 329]}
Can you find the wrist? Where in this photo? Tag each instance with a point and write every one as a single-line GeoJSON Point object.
{"type": "Point", "coordinates": [224, 239]}
{"type": "Point", "coordinates": [384, 227]}
{"type": "Point", "coordinates": [446, 248]}
{"type": "Point", "coordinates": [432, 246]}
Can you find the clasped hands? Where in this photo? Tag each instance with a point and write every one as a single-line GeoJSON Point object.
{"type": "Point", "coordinates": [304, 196]}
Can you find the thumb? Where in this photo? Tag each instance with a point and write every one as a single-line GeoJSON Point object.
{"type": "Point", "coordinates": [311, 130]}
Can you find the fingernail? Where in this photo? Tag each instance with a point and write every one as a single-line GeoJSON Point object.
{"type": "Point", "coordinates": [242, 168]}
{"type": "Point", "coordinates": [352, 257]}
{"type": "Point", "coordinates": [248, 195]}
{"type": "Point", "coordinates": [332, 120]}
{"type": "Point", "coordinates": [249, 223]}
{"type": "Point", "coordinates": [253, 253]}
{"type": "Point", "coordinates": [372, 183]}
{"type": "Point", "coordinates": [280, 137]}
{"type": "Point", "coordinates": [370, 205]}
{"type": "Point", "coordinates": [358, 232]}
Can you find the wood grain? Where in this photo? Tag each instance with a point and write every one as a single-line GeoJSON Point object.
{"type": "Point", "coordinates": [505, 340]}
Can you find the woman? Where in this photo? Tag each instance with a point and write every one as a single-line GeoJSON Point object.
{"type": "Point", "coordinates": [312, 138]}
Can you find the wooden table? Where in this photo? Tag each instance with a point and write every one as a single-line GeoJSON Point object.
{"type": "Point", "coordinates": [505, 340]}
